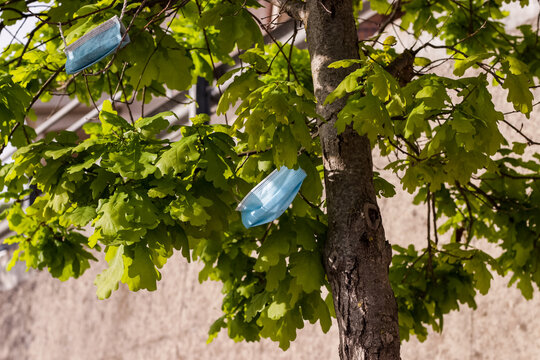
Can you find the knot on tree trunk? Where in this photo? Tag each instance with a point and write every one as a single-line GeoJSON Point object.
{"type": "Point", "coordinates": [372, 216]}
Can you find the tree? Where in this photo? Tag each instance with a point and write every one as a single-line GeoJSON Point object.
{"type": "Point", "coordinates": [145, 196]}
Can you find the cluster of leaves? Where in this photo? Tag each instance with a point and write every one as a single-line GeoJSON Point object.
{"type": "Point", "coordinates": [141, 197]}
{"type": "Point", "coordinates": [14, 103]}
{"type": "Point", "coordinates": [159, 57]}
{"type": "Point", "coordinates": [442, 139]}
{"type": "Point", "coordinates": [144, 197]}
{"type": "Point", "coordinates": [433, 283]}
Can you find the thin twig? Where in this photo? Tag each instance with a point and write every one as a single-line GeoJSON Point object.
{"type": "Point", "coordinates": [275, 42]}
{"type": "Point", "coordinates": [434, 212]}
{"type": "Point", "coordinates": [469, 209]}
{"type": "Point", "coordinates": [211, 59]}
{"type": "Point", "coordinates": [291, 51]}
{"type": "Point", "coordinates": [44, 87]}
{"type": "Point", "coordinates": [90, 93]}
{"type": "Point", "coordinates": [267, 231]}
{"type": "Point", "coordinates": [126, 100]}
{"type": "Point", "coordinates": [489, 198]}
{"type": "Point", "coordinates": [529, 140]}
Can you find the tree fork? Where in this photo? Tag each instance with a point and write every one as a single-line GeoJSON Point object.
{"type": "Point", "coordinates": [356, 255]}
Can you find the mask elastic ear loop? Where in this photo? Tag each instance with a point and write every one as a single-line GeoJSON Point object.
{"type": "Point", "coordinates": [123, 10]}
{"type": "Point", "coordinates": [62, 35]}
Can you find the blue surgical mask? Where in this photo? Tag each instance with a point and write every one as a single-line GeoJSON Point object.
{"type": "Point", "coordinates": [271, 197]}
{"type": "Point", "coordinates": [95, 45]}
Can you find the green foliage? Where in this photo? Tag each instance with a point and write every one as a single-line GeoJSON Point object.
{"type": "Point", "coordinates": [445, 138]}
{"type": "Point", "coordinates": [145, 197]}
{"type": "Point", "coordinates": [14, 100]}
{"type": "Point", "coordinates": [435, 282]}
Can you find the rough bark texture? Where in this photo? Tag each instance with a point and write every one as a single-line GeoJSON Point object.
{"type": "Point", "coordinates": [357, 254]}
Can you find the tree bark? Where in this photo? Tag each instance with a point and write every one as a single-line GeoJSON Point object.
{"type": "Point", "coordinates": [357, 255]}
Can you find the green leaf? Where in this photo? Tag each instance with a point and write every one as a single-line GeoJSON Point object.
{"type": "Point", "coordinates": [519, 148]}
{"type": "Point", "coordinates": [229, 74]}
{"type": "Point", "coordinates": [434, 94]}
{"type": "Point", "coordinates": [155, 124]}
{"type": "Point", "coordinates": [519, 93]}
{"type": "Point", "coordinates": [215, 328]}
{"type": "Point", "coordinates": [275, 274]}
{"type": "Point", "coordinates": [139, 270]}
{"type": "Point", "coordinates": [383, 187]}
{"type": "Point", "coordinates": [306, 266]}
{"type": "Point", "coordinates": [191, 209]}
{"type": "Point", "coordinates": [112, 214]}
{"type": "Point", "coordinates": [389, 42]}
{"type": "Point", "coordinates": [462, 65]}
{"type": "Point", "coordinates": [383, 85]}
{"type": "Point", "coordinates": [381, 6]}
{"type": "Point", "coordinates": [421, 61]}
{"type": "Point", "coordinates": [162, 187]}
{"type": "Point", "coordinates": [305, 236]}
{"type": "Point", "coordinates": [176, 159]}
{"type": "Point", "coordinates": [526, 288]}
{"type": "Point", "coordinates": [285, 147]}
{"type": "Point", "coordinates": [55, 154]}
{"type": "Point", "coordinates": [257, 304]}
{"type": "Point", "coordinates": [132, 164]}
{"type": "Point", "coordinates": [241, 87]}
{"type": "Point", "coordinates": [368, 115]}
{"type": "Point", "coordinates": [348, 85]}
{"type": "Point", "coordinates": [415, 121]}
{"type": "Point", "coordinates": [300, 130]}
{"type": "Point", "coordinates": [217, 169]}
{"type": "Point", "coordinates": [253, 57]}
{"type": "Point", "coordinates": [101, 182]}
{"type": "Point", "coordinates": [80, 216]}
{"type": "Point", "coordinates": [516, 66]}
{"type": "Point", "coordinates": [200, 119]}
{"type": "Point", "coordinates": [110, 120]}
{"type": "Point", "coordinates": [344, 63]}
{"type": "Point", "coordinates": [481, 274]}
{"type": "Point", "coordinates": [108, 280]}
{"type": "Point", "coordinates": [461, 124]}
{"type": "Point", "coordinates": [173, 64]}
{"type": "Point", "coordinates": [274, 246]}
{"type": "Point", "coordinates": [277, 310]}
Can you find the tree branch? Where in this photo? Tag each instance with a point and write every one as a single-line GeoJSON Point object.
{"type": "Point", "coordinates": [396, 13]}
{"type": "Point", "coordinates": [294, 8]}
{"type": "Point", "coordinates": [529, 140]}
{"type": "Point", "coordinates": [402, 67]}
{"type": "Point", "coordinates": [44, 87]}
{"type": "Point", "coordinates": [469, 209]}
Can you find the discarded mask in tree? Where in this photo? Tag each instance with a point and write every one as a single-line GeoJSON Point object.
{"type": "Point", "coordinates": [95, 45]}
{"type": "Point", "coordinates": [271, 197]}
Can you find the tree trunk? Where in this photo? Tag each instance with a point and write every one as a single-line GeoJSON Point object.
{"type": "Point", "coordinates": [356, 254]}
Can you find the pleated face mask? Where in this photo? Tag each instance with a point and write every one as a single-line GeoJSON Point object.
{"type": "Point", "coordinates": [271, 197]}
{"type": "Point", "coordinates": [95, 45]}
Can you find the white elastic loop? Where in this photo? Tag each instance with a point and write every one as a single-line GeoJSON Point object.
{"type": "Point", "coordinates": [123, 9]}
{"type": "Point", "coordinates": [62, 34]}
